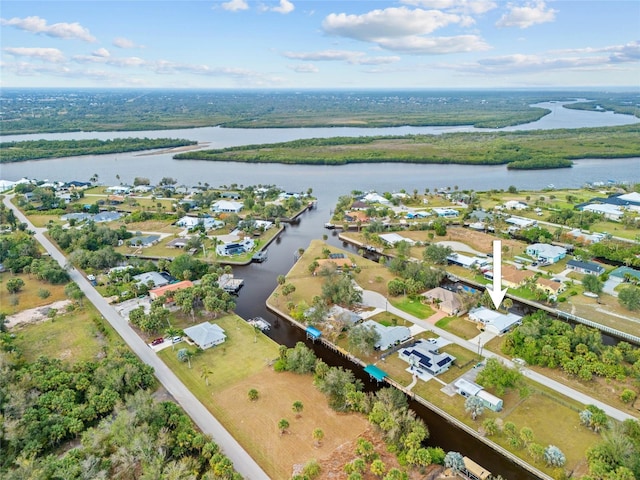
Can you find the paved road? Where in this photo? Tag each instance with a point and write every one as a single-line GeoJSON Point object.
{"type": "Point", "coordinates": [379, 301]}
{"type": "Point", "coordinates": [242, 462]}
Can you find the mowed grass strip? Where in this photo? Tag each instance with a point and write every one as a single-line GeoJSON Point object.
{"type": "Point", "coordinates": [413, 307]}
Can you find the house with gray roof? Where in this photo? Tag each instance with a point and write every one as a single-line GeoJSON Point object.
{"type": "Point", "coordinates": [546, 253]}
{"type": "Point", "coordinates": [494, 321]}
{"type": "Point", "coordinates": [389, 336]}
{"type": "Point", "coordinates": [206, 335]}
{"type": "Point", "coordinates": [156, 278]}
{"type": "Point", "coordinates": [585, 267]}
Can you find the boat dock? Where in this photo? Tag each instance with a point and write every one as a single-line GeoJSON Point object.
{"type": "Point", "coordinates": [228, 283]}
{"type": "Point", "coordinates": [260, 323]}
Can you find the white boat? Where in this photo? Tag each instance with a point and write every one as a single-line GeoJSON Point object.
{"type": "Point", "coordinates": [260, 323]}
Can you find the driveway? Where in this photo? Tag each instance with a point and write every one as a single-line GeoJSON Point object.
{"type": "Point", "coordinates": [460, 247]}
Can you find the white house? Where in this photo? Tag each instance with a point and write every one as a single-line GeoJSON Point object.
{"type": "Point", "coordinates": [446, 212]}
{"type": "Point", "coordinates": [373, 197]}
{"type": "Point", "coordinates": [520, 222]}
{"type": "Point", "coordinates": [208, 223]}
{"type": "Point", "coordinates": [470, 389]}
{"type": "Point", "coordinates": [154, 277]}
{"type": "Point", "coordinates": [393, 238]}
{"type": "Point", "coordinates": [389, 336]}
{"type": "Point", "coordinates": [493, 321]}
{"type": "Point", "coordinates": [586, 237]}
{"type": "Point", "coordinates": [206, 335]}
{"type": "Point", "coordinates": [424, 356]}
{"type": "Point", "coordinates": [466, 261]}
{"type": "Point", "coordinates": [546, 253]}
{"type": "Point", "coordinates": [226, 206]}
{"type": "Point", "coordinates": [612, 212]}
{"type": "Point", "coordinates": [515, 205]}
{"type": "Point", "coordinates": [236, 248]}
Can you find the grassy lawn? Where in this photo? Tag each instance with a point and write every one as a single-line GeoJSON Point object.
{"type": "Point", "coordinates": [413, 307]}
{"type": "Point", "coordinates": [557, 267]}
{"type": "Point", "coordinates": [40, 220]}
{"type": "Point", "coordinates": [242, 363]}
{"type": "Point", "coordinates": [460, 326]}
{"type": "Point", "coordinates": [27, 297]}
{"type": "Point", "coordinates": [71, 336]}
{"type": "Point", "coordinates": [388, 319]}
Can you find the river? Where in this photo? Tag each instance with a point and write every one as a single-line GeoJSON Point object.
{"type": "Point", "coordinates": [328, 183]}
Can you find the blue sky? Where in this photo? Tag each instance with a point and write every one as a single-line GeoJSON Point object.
{"type": "Point", "coordinates": [320, 44]}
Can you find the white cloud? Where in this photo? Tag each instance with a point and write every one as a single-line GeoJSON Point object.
{"type": "Point", "coordinates": [101, 52]}
{"type": "Point", "coordinates": [435, 45]}
{"type": "Point", "coordinates": [475, 7]}
{"type": "Point", "coordinates": [387, 23]}
{"type": "Point", "coordinates": [58, 30]}
{"type": "Point", "coordinates": [354, 58]}
{"type": "Point", "coordinates": [235, 5]}
{"type": "Point", "coordinates": [285, 7]}
{"type": "Point", "coordinates": [527, 15]}
{"type": "Point", "coordinates": [304, 68]}
{"type": "Point", "coordinates": [629, 52]}
{"type": "Point", "coordinates": [122, 42]}
{"type": "Point", "coordinates": [52, 55]}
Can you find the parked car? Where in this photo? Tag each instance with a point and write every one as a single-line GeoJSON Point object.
{"type": "Point", "coordinates": [157, 341]}
{"type": "Point", "coordinates": [176, 339]}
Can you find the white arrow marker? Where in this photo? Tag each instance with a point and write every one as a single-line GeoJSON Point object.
{"type": "Point", "coordinates": [497, 294]}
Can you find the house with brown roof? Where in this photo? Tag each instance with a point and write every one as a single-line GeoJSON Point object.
{"type": "Point", "coordinates": [445, 300]}
{"type": "Point", "coordinates": [359, 205]}
{"type": "Point", "coordinates": [166, 289]}
{"type": "Point", "coordinates": [550, 287]}
{"type": "Point", "coordinates": [356, 216]}
{"type": "Point", "coordinates": [514, 277]}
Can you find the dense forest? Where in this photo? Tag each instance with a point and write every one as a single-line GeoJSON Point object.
{"type": "Point", "coordinates": [39, 149]}
{"type": "Point", "coordinates": [524, 150]}
{"type": "Point", "coordinates": [38, 110]}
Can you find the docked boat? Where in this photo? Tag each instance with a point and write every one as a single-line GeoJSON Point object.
{"type": "Point", "coordinates": [260, 323]}
{"type": "Point", "coordinates": [260, 256]}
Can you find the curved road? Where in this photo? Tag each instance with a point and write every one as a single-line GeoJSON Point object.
{"type": "Point", "coordinates": [375, 299]}
{"type": "Point", "coordinates": [242, 462]}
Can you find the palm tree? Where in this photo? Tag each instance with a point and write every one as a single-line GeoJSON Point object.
{"type": "Point", "coordinates": [205, 373]}
{"type": "Point", "coordinates": [317, 435]}
{"type": "Point", "coordinates": [283, 426]}
{"type": "Point", "coordinates": [297, 408]}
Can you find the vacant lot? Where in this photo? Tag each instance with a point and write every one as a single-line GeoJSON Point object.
{"type": "Point", "coordinates": [28, 296]}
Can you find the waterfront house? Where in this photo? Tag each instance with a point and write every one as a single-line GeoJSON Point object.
{"type": "Point", "coordinates": [550, 287]}
{"type": "Point", "coordinates": [226, 206]}
{"type": "Point", "coordinates": [585, 267]}
{"type": "Point", "coordinates": [172, 287]}
{"type": "Point", "coordinates": [493, 321]}
{"type": "Point", "coordinates": [512, 277]}
{"type": "Point", "coordinates": [206, 335]}
{"type": "Point", "coordinates": [143, 240]}
{"type": "Point", "coordinates": [423, 356]}
{"type": "Point", "coordinates": [392, 239]}
{"type": "Point", "coordinates": [466, 261]}
{"type": "Point", "coordinates": [546, 253]}
{"type": "Point", "coordinates": [208, 223]}
{"type": "Point", "coordinates": [359, 205]}
{"type": "Point", "coordinates": [389, 336]}
{"type": "Point", "coordinates": [446, 300]}
{"type": "Point", "coordinates": [356, 216]}
{"type": "Point", "coordinates": [155, 279]}
{"type": "Point", "coordinates": [373, 197]}
{"type": "Point", "coordinates": [235, 248]}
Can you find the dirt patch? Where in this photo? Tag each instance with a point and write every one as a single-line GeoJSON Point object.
{"type": "Point", "coordinates": [481, 241]}
{"type": "Point", "coordinates": [34, 315]}
{"type": "Point", "coordinates": [185, 148]}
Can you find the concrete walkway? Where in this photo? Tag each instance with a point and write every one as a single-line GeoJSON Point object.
{"type": "Point", "coordinates": [206, 422]}
{"type": "Point", "coordinates": [375, 299]}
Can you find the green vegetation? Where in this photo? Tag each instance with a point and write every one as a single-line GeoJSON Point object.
{"type": "Point", "coordinates": [527, 149]}
{"type": "Point", "coordinates": [39, 149]}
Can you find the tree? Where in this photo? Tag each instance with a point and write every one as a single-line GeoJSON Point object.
{"type": "Point", "coordinates": [629, 298]}
{"type": "Point", "coordinates": [490, 427]}
{"type": "Point", "coordinates": [436, 254]}
{"type": "Point", "coordinates": [317, 435]}
{"type": "Point", "coordinates": [363, 338]}
{"type": "Point", "coordinates": [205, 373]}
{"type": "Point", "coordinates": [474, 406]}
{"type": "Point", "coordinates": [378, 467]}
{"type": "Point", "coordinates": [73, 291]}
{"type": "Point", "coordinates": [454, 461]}
{"type": "Point", "coordinates": [592, 283]}
{"type": "Point", "coordinates": [554, 456]}
{"type": "Point", "coordinates": [297, 408]}
{"type": "Point", "coordinates": [253, 394]}
{"type": "Point", "coordinates": [14, 285]}
{"type": "Point", "coordinates": [283, 426]}
{"type": "Point", "coordinates": [184, 355]}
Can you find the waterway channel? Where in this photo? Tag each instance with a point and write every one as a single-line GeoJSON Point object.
{"type": "Point", "coordinates": [329, 182]}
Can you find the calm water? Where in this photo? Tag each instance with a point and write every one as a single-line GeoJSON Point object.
{"type": "Point", "coordinates": [329, 182]}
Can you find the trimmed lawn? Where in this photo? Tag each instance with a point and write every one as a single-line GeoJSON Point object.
{"type": "Point", "coordinates": [71, 337]}
{"type": "Point", "coordinates": [413, 307]}
{"type": "Point", "coordinates": [459, 326]}
{"type": "Point", "coordinates": [28, 296]}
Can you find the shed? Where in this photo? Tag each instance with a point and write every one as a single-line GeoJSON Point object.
{"type": "Point", "coordinates": [490, 401]}
{"type": "Point", "coordinates": [467, 388]}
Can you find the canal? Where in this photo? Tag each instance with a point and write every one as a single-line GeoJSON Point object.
{"type": "Point", "coordinates": [260, 281]}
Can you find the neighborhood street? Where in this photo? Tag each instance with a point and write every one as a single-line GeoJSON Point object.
{"type": "Point", "coordinates": [377, 300]}
{"type": "Point", "coordinates": [242, 462]}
